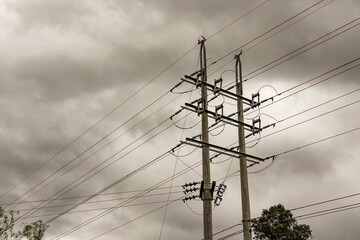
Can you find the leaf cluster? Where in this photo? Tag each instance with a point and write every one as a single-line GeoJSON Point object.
{"type": "Point", "coordinates": [33, 231]}
{"type": "Point", "coordinates": [278, 223]}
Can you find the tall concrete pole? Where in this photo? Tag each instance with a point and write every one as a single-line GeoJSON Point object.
{"type": "Point", "coordinates": [207, 195]}
{"type": "Point", "coordinates": [245, 198]}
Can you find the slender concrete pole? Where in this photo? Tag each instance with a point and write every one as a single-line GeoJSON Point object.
{"type": "Point", "coordinates": [245, 198]}
{"type": "Point", "coordinates": [207, 196]}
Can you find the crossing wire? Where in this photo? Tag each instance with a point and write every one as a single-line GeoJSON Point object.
{"type": "Point", "coordinates": [106, 160]}
{"type": "Point", "coordinates": [273, 28]}
{"type": "Point", "coordinates": [308, 215]}
{"type": "Point", "coordinates": [51, 199]}
{"type": "Point", "coordinates": [84, 196]}
{"type": "Point", "coordinates": [98, 216]}
{"type": "Point", "coordinates": [98, 122]}
{"type": "Point", "coordinates": [318, 141]}
{"type": "Point", "coordinates": [301, 147]}
{"type": "Point", "coordinates": [288, 56]}
{"type": "Point", "coordinates": [92, 154]}
{"type": "Point", "coordinates": [87, 222]}
{"type": "Point", "coordinates": [303, 49]}
{"type": "Point", "coordinates": [312, 85]}
{"type": "Point", "coordinates": [96, 201]}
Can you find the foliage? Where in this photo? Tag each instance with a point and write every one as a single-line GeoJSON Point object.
{"type": "Point", "coordinates": [6, 225]}
{"type": "Point", "coordinates": [33, 231]}
{"type": "Point", "coordinates": [278, 223]}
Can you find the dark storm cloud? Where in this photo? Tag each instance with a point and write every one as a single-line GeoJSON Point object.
{"type": "Point", "coordinates": [65, 64]}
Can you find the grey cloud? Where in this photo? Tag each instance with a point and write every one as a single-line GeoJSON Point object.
{"type": "Point", "coordinates": [39, 13]}
{"type": "Point", "coordinates": [66, 64]}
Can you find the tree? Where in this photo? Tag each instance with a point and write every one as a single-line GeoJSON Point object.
{"type": "Point", "coordinates": [33, 231]}
{"type": "Point", "coordinates": [278, 223]}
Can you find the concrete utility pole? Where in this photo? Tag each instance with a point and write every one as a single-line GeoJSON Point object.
{"type": "Point", "coordinates": [207, 195]}
{"type": "Point", "coordinates": [245, 199]}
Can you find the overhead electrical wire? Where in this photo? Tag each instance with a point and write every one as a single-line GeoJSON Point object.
{"type": "Point", "coordinates": [348, 63]}
{"type": "Point", "coordinates": [92, 154]}
{"type": "Point", "coordinates": [100, 120]}
{"type": "Point", "coordinates": [98, 209]}
{"type": "Point", "coordinates": [231, 235]}
{"type": "Point", "coordinates": [96, 201]}
{"type": "Point", "coordinates": [52, 197]}
{"type": "Point", "coordinates": [330, 35]}
{"type": "Point", "coordinates": [317, 213]}
{"type": "Point", "coordinates": [84, 196]}
{"type": "Point", "coordinates": [277, 26]}
{"type": "Point", "coordinates": [316, 142]}
{"type": "Point", "coordinates": [294, 53]}
{"type": "Point", "coordinates": [319, 141]}
{"type": "Point", "coordinates": [329, 211]}
{"type": "Point", "coordinates": [310, 119]}
{"type": "Point", "coordinates": [314, 84]}
{"type": "Point", "coordinates": [326, 201]}
{"type": "Point", "coordinates": [109, 158]}
{"type": "Point", "coordinates": [143, 215]}
{"type": "Point", "coordinates": [174, 170]}
{"type": "Point", "coordinates": [304, 146]}
{"type": "Point", "coordinates": [82, 224]}
{"type": "Point", "coordinates": [237, 19]}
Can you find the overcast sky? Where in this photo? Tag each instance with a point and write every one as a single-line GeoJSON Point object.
{"type": "Point", "coordinates": [65, 65]}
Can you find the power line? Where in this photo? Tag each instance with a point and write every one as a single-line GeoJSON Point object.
{"type": "Point", "coordinates": [237, 19]}
{"type": "Point", "coordinates": [329, 211]}
{"type": "Point", "coordinates": [171, 182]}
{"type": "Point", "coordinates": [304, 146]}
{"type": "Point", "coordinates": [326, 201]}
{"type": "Point", "coordinates": [273, 28]}
{"type": "Point", "coordinates": [322, 140]}
{"type": "Point", "coordinates": [99, 209]}
{"type": "Point", "coordinates": [296, 52]}
{"type": "Point", "coordinates": [98, 171]}
{"type": "Point", "coordinates": [314, 84]}
{"type": "Point", "coordinates": [87, 222]}
{"type": "Point", "coordinates": [121, 204]}
{"type": "Point", "coordinates": [97, 201]}
{"type": "Point", "coordinates": [316, 213]}
{"type": "Point", "coordinates": [84, 196]}
{"type": "Point", "coordinates": [100, 120]}
{"type": "Point", "coordinates": [88, 157]}
{"type": "Point", "coordinates": [51, 199]}
{"type": "Point", "coordinates": [145, 214]}
{"type": "Point", "coordinates": [306, 120]}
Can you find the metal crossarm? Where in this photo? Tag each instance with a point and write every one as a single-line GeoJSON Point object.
{"type": "Point", "coordinates": [211, 87]}
{"type": "Point", "coordinates": [233, 152]}
{"type": "Point", "coordinates": [213, 115]}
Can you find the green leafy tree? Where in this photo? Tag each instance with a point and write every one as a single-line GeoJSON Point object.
{"type": "Point", "coordinates": [33, 231]}
{"type": "Point", "coordinates": [278, 223]}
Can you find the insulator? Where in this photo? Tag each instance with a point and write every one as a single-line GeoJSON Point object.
{"type": "Point", "coordinates": [256, 125]}
{"type": "Point", "coordinates": [218, 115]}
{"type": "Point", "coordinates": [216, 82]}
{"type": "Point", "coordinates": [200, 106]}
{"type": "Point", "coordinates": [254, 97]}
{"type": "Point", "coordinates": [217, 201]}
